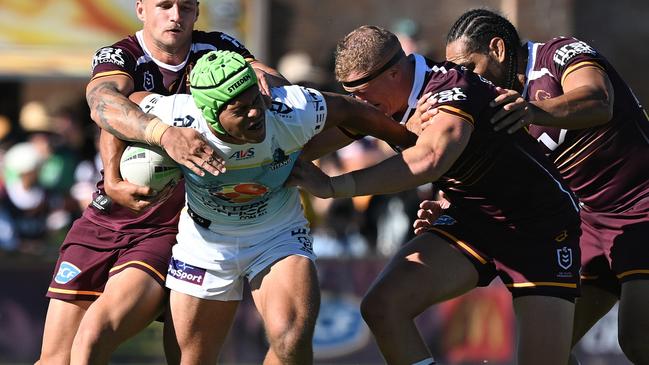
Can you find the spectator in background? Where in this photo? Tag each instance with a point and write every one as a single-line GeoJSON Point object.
{"type": "Point", "coordinates": [46, 131]}
{"type": "Point", "coordinates": [407, 31]}
{"type": "Point", "coordinates": [298, 68]}
{"type": "Point", "coordinates": [8, 238]}
{"type": "Point", "coordinates": [26, 201]}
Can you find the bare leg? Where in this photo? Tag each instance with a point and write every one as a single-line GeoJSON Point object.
{"type": "Point", "coordinates": [131, 300]}
{"type": "Point", "coordinates": [590, 307]}
{"type": "Point", "coordinates": [544, 329]}
{"type": "Point", "coordinates": [426, 271]}
{"type": "Point", "coordinates": [61, 324]}
{"type": "Point", "coordinates": [198, 327]}
{"type": "Point", "coordinates": [288, 299]}
{"type": "Point", "coordinates": [633, 321]}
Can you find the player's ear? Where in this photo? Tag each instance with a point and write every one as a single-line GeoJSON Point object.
{"type": "Point", "coordinates": [497, 49]}
{"type": "Point", "coordinates": [198, 10]}
{"type": "Point", "coordinates": [139, 10]}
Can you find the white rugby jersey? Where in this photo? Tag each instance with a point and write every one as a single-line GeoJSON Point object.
{"type": "Point", "coordinates": [249, 197]}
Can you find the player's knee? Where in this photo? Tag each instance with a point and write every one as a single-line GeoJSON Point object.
{"type": "Point", "coordinates": [93, 337]}
{"type": "Point", "coordinates": [376, 306]}
{"type": "Point", "coordinates": [291, 339]}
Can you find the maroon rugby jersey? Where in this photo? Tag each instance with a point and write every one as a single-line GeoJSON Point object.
{"type": "Point", "coordinates": [607, 166]}
{"type": "Point", "coordinates": [129, 57]}
{"type": "Point", "coordinates": [502, 177]}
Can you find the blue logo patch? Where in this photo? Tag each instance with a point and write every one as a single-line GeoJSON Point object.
{"type": "Point", "coordinates": [445, 220]}
{"type": "Point", "coordinates": [185, 272]}
{"type": "Point", "coordinates": [340, 329]}
{"type": "Point", "coordinates": [66, 272]}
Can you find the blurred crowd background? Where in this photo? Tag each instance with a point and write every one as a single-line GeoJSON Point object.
{"type": "Point", "coordinates": [49, 164]}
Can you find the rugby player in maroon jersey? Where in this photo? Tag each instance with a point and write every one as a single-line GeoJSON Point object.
{"type": "Point", "coordinates": [108, 282]}
{"type": "Point", "coordinates": [590, 124]}
{"type": "Point", "coordinates": [511, 215]}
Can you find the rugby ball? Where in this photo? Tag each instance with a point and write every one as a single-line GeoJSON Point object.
{"type": "Point", "coordinates": [150, 166]}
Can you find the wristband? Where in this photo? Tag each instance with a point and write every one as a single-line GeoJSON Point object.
{"type": "Point", "coordinates": [343, 186]}
{"type": "Point", "coordinates": [154, 131]}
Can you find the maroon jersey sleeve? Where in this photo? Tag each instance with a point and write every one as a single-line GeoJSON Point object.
{"type": "Point", "coordinates": [119, 58]}
{"type": "Point", "coordinates": [458, 91]}
{"type": "Point", "coordinates": [564, 55]}
{"type": "Point", "coordinates": [222, 41]}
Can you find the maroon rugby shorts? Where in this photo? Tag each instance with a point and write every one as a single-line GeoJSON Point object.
{"type": "Point", "coordinates": [541, 263]}
{"type": "Point", "coordinates": [85, 264]}
{"type": "Point", "coordinates": [615, 247]}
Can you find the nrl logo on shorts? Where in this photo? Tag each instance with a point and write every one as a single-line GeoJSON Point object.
{"type": "Point", "coordinates": [564, 257]}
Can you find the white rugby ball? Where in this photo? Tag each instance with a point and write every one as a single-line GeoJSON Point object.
{"type": "Point", "coordinates": [150, 166]}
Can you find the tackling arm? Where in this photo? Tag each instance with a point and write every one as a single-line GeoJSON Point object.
{"type": "Point", "coordinates": [115, 113]}
{"type": "Point", "coordinates": [437, 148]}
{"type": "Point", "coordinates": [587, 101]}
{"type": "Point", "coordinates": [362, 117]}
{"type": "Point", "coordinates": [111, 109]}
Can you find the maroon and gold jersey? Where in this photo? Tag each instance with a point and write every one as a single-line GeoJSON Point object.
{"type": "Point", "coordinates": [131, 58]}
{"type": "Point", "coordinates": [498, 177]}
{"type": "Point", "coordinates": [607, 165]}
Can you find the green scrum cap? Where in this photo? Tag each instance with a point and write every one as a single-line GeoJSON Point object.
{"type": "Point", "coordinates": [216, 79]}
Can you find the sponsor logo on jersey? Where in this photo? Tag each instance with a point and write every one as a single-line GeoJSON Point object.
{"type": "Point", "coordinates": [185, 121]}
{"type": "Point", "coordinates": [279, 159]}
{"type": "Point", "coordinates": [443, 69]}
{"type": "Point", "coordinates": [242, 211]}
{"type": "Point", "coordinates": [148, 81]}
{"type": "Point", "coordinates": [185, 272]}
{"type": "Point", "coordinates": [243, 154]}
{"type": "Point", "coordinates": [238, 83]}
{"type": "Point", "coordinates": [564, 257]}
{"type": "Point", "coordinates": [108, 55]}
{"type": "Point", "coordinates": [66, 272]}
{"type": "Point", "coordinates": [340, 329]}
{"type": "Point", "coordinates": [280, 108]}
{"type": "Point", "coordinates": [568, 51]}
{"type": "Point", "coordinates": [319, 105]}
{"type": "Point", "coordinates": [445, 96]}
{"type": "Point", "coordinates": [304, 239]}
{"type": "Point", "coordinates": [239, 193]}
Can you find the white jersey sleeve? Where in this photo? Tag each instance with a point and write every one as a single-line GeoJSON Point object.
{"type": "Point", "coordinates": [176, 110]}
{"type": "Point", "coordinates": [302, 110]}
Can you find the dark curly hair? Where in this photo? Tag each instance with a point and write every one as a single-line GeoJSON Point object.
{"type": "Point", "coordinates": [478, 27]}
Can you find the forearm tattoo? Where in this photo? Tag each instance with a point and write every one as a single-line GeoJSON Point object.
{"type": "Point", "coordinates": [116, 114]}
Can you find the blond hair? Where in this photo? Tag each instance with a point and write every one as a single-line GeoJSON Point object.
{"type": "Point", "coordinates": [364, 50]}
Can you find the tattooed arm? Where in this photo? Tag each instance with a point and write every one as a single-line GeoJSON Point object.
{"type": "Point", "coordinates": [111, 109]}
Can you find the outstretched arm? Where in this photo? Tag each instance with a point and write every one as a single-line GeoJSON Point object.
{"type": "Point", "coordinates": [587, 101]}
{"type": "Point", "coordinates": [362, 117]}
{"type": "Point", "coordinates": [116, 114]}
{"type": "Point", "coordinates": [437, 148]}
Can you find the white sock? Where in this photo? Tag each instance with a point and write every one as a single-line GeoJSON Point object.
{"type": "Point", "coordinates": [428, 361]}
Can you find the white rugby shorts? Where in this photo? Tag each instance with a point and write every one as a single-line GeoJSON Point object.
{"type": "Point", "coordinates": [208, 265]}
